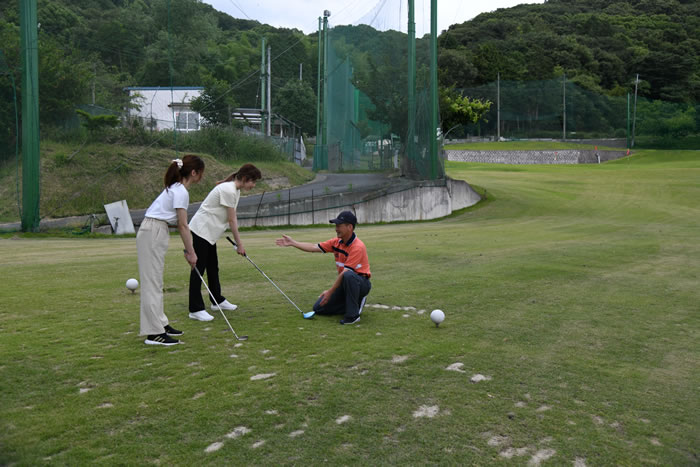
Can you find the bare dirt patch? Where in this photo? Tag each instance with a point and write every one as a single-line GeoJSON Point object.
{"type": "Point", "coordinates": [541, 456]}
{"type": "Point", "coordinates": [214, 447]}
{"type": "Point", "coordinates": [262, 376]}
{"type": "Point", "coordinates": [456, 367]}
{"type": "Point", "coordinates": [426, 411]}
{"type": "Point", "coordinates": [237, 432]}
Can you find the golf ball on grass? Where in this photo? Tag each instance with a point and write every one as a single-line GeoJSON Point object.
{"type": "Point", "coordinates": [132, 284]}
{"type": "Point", "coordinates": [437, 317]}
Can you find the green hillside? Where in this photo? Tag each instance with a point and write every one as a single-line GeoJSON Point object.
{"type": "Point", "coordinates": [80, 180]}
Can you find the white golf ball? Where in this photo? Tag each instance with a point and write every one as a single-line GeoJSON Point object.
{"type": "Point", "coordinates": [437, 316]}
{"type": "Point", "coordinates": [132, 284]}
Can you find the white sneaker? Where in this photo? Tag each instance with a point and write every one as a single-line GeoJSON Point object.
{"type": "Point", "coordinates": [201, 315]}
{"type": "Point", "coordinates": [225, 305]}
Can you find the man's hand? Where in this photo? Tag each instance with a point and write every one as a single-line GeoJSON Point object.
{"type": "Point", "coordinates": [286, 240]}
{"type": "Point", "coordinates": [325, 296]}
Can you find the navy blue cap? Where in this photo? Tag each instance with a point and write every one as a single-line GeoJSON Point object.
{"type": "Point", "coordinates": [345, 217]}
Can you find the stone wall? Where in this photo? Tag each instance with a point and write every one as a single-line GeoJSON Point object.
{"type": "Point", "coordinates": [565, 156]}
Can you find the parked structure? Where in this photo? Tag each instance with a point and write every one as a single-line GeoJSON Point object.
{"type": "Point", "coordinates": [165, 108]}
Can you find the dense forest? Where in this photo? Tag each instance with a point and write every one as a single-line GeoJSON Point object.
{"type": "Point", "coordinates": [89, 50]}
{"type": "Point", "coordinates": [599, 44]}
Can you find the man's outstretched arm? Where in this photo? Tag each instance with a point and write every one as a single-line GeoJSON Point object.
{"type": "Point", "coordinates": [286, 240]}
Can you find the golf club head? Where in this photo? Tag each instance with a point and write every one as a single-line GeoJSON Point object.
{"type": "Point", "coordinates": [242, 338]}
{"type": "Point", "coordinates": [309, 314]}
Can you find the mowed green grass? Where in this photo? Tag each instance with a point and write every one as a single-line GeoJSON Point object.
{"type": "Point", "coordinates": [573, 288]}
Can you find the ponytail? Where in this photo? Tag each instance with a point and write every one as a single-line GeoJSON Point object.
{"type": "Point", "coordinates": [247, 172]}
{"type": "Point", "coordinates": [181, 169]}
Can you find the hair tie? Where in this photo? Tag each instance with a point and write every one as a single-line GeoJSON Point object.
{"type": "Point", "coordinates": [178, 162]}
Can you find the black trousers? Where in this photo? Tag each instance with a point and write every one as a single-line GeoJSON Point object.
{"type": "Point", "coordinates": [346, 298]}
{"type": "Point", "coordinates": [207, 261]}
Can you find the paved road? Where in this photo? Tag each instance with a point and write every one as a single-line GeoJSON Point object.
{"type": "Point", "coordinates": [323, 184]}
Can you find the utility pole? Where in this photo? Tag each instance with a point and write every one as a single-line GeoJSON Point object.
{"type": "Point", "coordinates": [300, 68]}
{"type": "Point", "coordinates": [94, 77]}
{"type": "Point", "coordinates": [634, 113]}
{"type": "Point", "coordinates": [263, 87]}
{"type": "Point", "coordinates": [628, 120]}
{"type": "Point", "coordinates": [30, 115]}
{"type": "Point", "coordinates": [269, 91]}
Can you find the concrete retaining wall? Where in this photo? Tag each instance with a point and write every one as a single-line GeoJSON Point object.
{"type": "Point", "coordinates": [402, 200]}
{"type": "Point", "coordinates": [566, 156]}
{"type": "Point", "coordinates": [421, 201]}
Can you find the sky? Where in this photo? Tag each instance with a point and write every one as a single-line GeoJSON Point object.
{"type": "Point", "coordinates": [382, 14]}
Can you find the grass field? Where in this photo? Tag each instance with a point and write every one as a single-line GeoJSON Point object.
{"type": "Point", "coordinates": [572, 289]}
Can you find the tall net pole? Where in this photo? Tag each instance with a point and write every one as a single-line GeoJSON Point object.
{"type": "Point", "coordinates": [324, 114]}
{"type": "Point", "coordinates": [318, 94]}
{"type": "Point", "coordinates": [563, 106]}
{"type": "Point", "coordinates": [411, 144]}
{"type": "Point", "coordinates": [30, 116]}
{"type": "Point", "coordinates": [634, 112]}
{"type": "Point", "coordinates": [433, 92]}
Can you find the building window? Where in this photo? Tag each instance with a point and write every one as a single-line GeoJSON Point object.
{"type": "Point", "coordinates": [187, 121]}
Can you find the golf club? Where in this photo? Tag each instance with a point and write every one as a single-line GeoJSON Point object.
{"type": "Point", "coordinates": [241, 338]}
{"type": "Point", "coordinates": [307, 315]}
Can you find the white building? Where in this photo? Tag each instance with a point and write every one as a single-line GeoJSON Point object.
{"type": "Point", "coordinates": [165, 108]}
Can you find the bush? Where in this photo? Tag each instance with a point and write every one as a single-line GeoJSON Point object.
{"type": "Point", "coordinates": [229, 145]}
{"type": "Point", "coordinates": [226, 144]}
{"type": "Point", "coordinates": [60, 159]}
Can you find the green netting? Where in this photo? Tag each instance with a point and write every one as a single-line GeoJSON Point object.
{"type": "Point", "coordinates": [365, 108]}
{"type": "Point", "coordinates": [561, 108]}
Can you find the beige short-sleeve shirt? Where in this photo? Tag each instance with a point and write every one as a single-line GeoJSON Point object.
{"type": "Point", "coordinates": [211, 219]}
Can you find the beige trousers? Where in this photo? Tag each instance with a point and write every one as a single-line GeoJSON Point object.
{"type": "Point", "coordinates": [152, 244]}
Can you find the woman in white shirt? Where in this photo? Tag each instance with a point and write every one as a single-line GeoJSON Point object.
{"type": "Point", "coordinates": [216, 213]}
{"type": "Point", "coordinates": [169, 208]}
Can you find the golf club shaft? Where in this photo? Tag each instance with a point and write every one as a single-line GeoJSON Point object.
{"type": "Point", "coordinates": [217, 304]}
{"type": "Point", "coordinates": [263, 273]}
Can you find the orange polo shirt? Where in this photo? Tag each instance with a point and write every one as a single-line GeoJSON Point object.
{"type": "Point", "coordinates": [352, 255]}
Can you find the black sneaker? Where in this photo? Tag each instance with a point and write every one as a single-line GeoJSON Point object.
{"type": "Point", "coordinates": [161, 339]}
{"type": "Point", "coordinates": [171, 331]}
{"type": "Point", "coordinates": [354, 320]}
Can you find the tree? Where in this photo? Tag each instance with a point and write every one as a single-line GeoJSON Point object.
{"type": "Point", "coordinates": [95, 124]}
{"type": "Point", "coordinates": [215, 103]}
{"type": "Point", "coordinates": [297, 102]}
{"type": "Point", "coordinates": [390, 101]}
{"type": "Point", "coordinates": [457, 109]}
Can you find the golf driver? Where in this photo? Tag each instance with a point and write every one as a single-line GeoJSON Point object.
{"type": "Point", "coordinates": [307, 315]}
{"type": "Point", "coordinates": [241, 338]}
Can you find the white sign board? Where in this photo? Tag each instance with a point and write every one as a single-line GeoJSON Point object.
{"type": "Point", "coordinates": [120, 218]}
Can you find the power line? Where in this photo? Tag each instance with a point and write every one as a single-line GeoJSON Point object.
{"type": "Point", "coordinates": [240, 9]}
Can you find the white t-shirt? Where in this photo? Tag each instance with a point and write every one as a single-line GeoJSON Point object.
{"type": "Point", "coordinates": [211, 219]}
{"type": "Point", "coordinates": [172, 198]}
